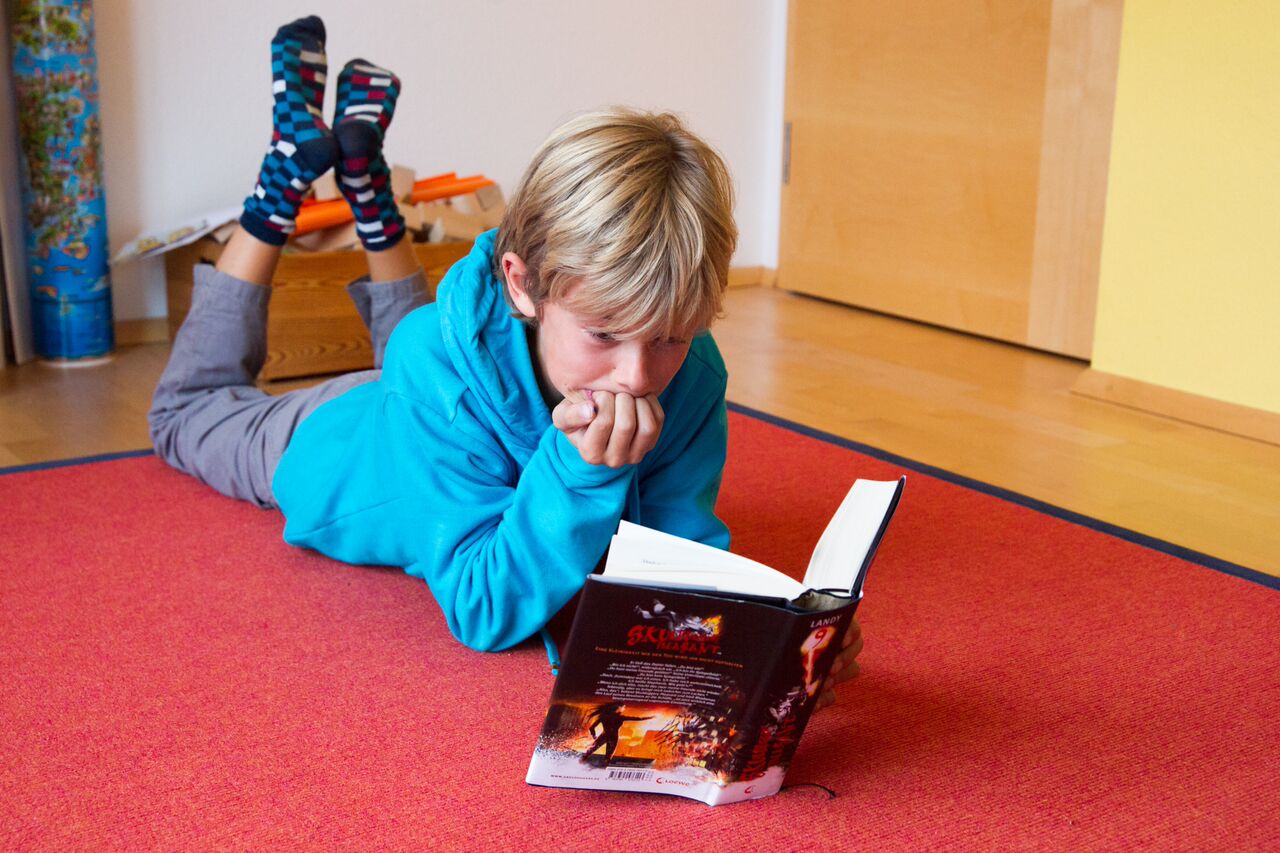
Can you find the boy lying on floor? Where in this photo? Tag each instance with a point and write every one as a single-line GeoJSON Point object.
{"type": "Point", "coordinates": [563, 379]}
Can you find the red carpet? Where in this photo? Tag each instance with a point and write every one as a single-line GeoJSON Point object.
{"type": "Point", "coordinates": [175, 676]}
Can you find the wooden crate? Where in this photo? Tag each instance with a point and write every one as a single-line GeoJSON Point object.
{"type": "Point", "coordinates": [313, 328]}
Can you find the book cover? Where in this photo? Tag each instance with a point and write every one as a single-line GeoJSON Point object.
{"type": "Point", "coordinates": [693, 694]}
{"type": "Point", "coordinates": [693, 671]}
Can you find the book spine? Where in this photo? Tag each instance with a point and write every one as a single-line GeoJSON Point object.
{"type": "Point", "coordinates": [743, 765]}
{"type": "Point", "coordinates": [790, 690]}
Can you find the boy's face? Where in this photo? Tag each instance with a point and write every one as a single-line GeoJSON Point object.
{"type": "Point", "coordinates": [578, 354]}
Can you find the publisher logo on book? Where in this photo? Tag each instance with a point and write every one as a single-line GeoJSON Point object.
{"type": "Point", "coordinates": [669, 631]}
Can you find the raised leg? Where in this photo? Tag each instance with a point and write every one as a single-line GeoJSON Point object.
{"type": "Point", "coordinates": [207, 417]}
{"type": "Point", "coordinates": [366, 103]}
{"type": "Point", "coordinates": [382, 304]}
{"type": "Point", "coordinates": [248, 258]}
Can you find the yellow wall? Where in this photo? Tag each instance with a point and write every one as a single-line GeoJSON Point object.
{"type": "Point", "coordinates": [1189, 290]}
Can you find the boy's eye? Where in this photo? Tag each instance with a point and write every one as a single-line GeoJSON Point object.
{"type": "Point", "coordinates": [612, 337]}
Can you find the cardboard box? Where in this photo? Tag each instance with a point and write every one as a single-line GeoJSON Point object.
{"type": "Point", "coordinates": [313, 329]}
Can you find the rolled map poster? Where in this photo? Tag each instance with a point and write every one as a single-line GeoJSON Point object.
{"type": "Point", "coordinates": [55, 75]}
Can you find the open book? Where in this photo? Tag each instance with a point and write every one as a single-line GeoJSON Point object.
{"type": "Point", "coordinates": [693, 671]}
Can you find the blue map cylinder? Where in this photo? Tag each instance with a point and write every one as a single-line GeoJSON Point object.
{"type": "Point", "coordinates": [55, 75]}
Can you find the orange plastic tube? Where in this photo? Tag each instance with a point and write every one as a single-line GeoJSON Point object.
{"type": "Point", "coordinates": [322, 214]}
{"type": "Point", "coordinates": [448, 189]}
{"type": "Point", "coordinates": [436, 179]}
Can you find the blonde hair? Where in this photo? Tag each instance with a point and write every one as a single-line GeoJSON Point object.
{"type": "Point", "coordinates": [635, 208]}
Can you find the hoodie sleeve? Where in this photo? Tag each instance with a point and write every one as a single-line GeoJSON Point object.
{"type": "Point", "coordinates": [502, 558]}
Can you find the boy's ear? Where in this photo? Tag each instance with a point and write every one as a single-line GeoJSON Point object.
{"type": "Point", "coordinates": [515, 272]}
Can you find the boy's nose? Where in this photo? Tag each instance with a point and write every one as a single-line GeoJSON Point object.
{"type": "Point", "coordinates": [632, 370]}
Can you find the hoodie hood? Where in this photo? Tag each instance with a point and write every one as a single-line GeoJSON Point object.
{"type": "Point", "coordinates": [490, 352]}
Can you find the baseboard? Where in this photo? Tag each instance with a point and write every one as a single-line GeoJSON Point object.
{"type": "Point", "coordinates": [752, 276]}
{"type": "Point", "coordinates": [1239, 420]}
{"type": "Point", "coordinates": [146, 330]}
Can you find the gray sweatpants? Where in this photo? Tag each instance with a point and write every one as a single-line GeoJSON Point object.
{"type": "Point", "coordinates": [210, 420]}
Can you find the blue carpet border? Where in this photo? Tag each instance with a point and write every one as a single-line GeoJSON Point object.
{"type": "Point", "coordinates": [1118, 532]}
{"type": "Point", "coordinates": [79, 460]}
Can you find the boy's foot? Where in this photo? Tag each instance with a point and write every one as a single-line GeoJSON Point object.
{"type": "Point", "coordinates": [366, 102]}
{"type": "Point", "coordinates": [302, 147]}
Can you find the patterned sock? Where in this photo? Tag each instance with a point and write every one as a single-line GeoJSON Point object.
{"type": "Point", "coordinates": [366, 101]}
{"type": "Point", "coordinates": [302, 147]}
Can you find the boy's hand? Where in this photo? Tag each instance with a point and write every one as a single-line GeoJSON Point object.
{"type": "Point", "coordinates": [610, 429]}
{"type": "Point", "coordinates": [845, 667]}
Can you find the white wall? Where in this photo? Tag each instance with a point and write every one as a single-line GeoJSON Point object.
{"type": "Point", "coordinates": [186, 96]}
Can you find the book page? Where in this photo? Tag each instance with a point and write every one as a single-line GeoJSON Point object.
{"type": "Point", "coordinates": [641, 555]}
{"type": "Point", "coordinates": [851, 534]}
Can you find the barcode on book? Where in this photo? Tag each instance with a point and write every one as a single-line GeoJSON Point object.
{"type": "Point", "coordinates": [633, 775]}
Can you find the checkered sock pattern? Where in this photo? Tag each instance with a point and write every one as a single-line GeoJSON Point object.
{"type": "Point", "coordinates": [366, 102]}
{"type": "Point", "coordinates": [302, 147]}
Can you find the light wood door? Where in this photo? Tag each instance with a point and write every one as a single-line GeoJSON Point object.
{"type": "Point", "coordinates": [947, 161]}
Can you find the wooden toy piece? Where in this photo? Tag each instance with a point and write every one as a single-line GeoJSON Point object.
{"type": "Point", "coordinates": [325, 188]}
{"type": "Point", "coordinates": [333, 239]}
{"type": "Point", "coordinates": [403, 179]}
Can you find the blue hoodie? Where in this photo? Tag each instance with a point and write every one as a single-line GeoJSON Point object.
{"type": "Point", "coordinates": [449, 466]}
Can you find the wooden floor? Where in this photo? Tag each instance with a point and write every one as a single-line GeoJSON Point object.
{"type": "Point", "coordinates": [989, 411]}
